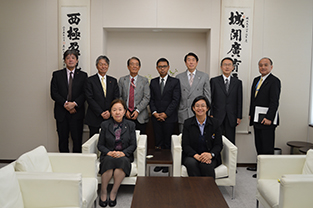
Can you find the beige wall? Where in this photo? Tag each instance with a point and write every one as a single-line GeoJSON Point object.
{"type": "Point", "coordinates": [29, 42]}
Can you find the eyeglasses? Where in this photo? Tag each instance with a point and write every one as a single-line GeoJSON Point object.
{"type": "Point", "coordinates": [100, 64]}
{"type": "Point", "coordinates": [132, 64]}
{"type": "Point", "coordinates": [162, 67]}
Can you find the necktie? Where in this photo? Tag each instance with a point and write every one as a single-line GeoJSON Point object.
{"type": "Point", "coordinates": [103, 86]}
{"type": "Point", "coordinates": [191, 79]}
{"type": "Point", "coordinates": [131, 95]}
{"type": "Point", "coordinates": [227, 85]}
{"type": "Point", "coordinates": [70, 83]}
{"type": "Point", "coordinates": [258, 87]}
{"type": "Point", "coordinates": [162, 86]}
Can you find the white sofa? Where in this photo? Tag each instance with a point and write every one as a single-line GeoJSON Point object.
{"type": "Point", "coordinates": [225, 173]}
{"type": "Point", "coordinates": [39, 190]}
{"type": "Point", "coordinates": [62, 166]}
{"type": "Point", "coordinates": [137, 167]}
{"type": "Point", "coordinates": [285, 180]}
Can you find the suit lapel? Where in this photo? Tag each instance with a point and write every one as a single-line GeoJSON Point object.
{"type": "Point", "coordinates": [167, 84]}
{"type": "Point", "coordinates": [195, 83]}
{"type": "Point", "coordinates": [222, 84]}
{"type": "Point", "coordinates": [232, 84]}
{"type": "Point", "coordinates": [98, 83]}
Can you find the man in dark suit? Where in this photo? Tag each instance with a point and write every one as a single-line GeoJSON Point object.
{"type": "Point", "coordinates": [164, 101]}
{"type": "Point", "coordinates": [67, 90]}
{"type": "Point", "coordinates": [265, 92]}
{"type": "Point", "coordinates": [227, 99]}
{"type": "Point", "coordinates": [100, 91]}
{"type": "Point", "coordinates": [134, 90]}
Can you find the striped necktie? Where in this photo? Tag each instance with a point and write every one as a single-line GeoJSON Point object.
{"type": "Point", "coordinates": [103, 86]}
{"type": "Point", "coordinates": [258, 87]}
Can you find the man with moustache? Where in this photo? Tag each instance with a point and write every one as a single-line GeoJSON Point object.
{"type": "Point", "coordinates": [164, 100]}
{"type": "Point", "coordinates": [265, 92]}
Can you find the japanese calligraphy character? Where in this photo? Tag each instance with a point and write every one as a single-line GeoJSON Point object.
{"type": "Point", "coordinates": [73, 34]}
{"type": "Point", "coordinates": [236, 19]}
{"type": "Point", "coordinates": [236, 64]}
{"type": "Point", "coordinates": [235, 35]}
{"type": "Point", "coordinates": [73, 18]}
{"type": "Point", "coordinates": [235, 50]}
{"type": "Point", "coordinates": [74, 45]}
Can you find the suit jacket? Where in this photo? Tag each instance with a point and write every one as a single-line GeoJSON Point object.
{"type": "Point", "coordinates": [226, 104]}
{"type": "Point", "coordinates": [59, 92]}
{"type": "Point", "coordinates": [268, 96]}
{"type": "Point", "coordinates": [97, 102]}
{"type": "Point", "coordinates": [141, 95]}
{"type": "Point", "coordinates": [168, 101]}
{"type": "Point", "coordinates": [212, 134]}
{"type": "Point", "coordinates": [200, 86]}
{"type": "Point", "coordinates": [106, 142]}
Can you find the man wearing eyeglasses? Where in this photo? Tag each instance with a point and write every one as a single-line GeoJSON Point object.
{"type": "Point", "coordinates": [193, 83]}
{"type": "Point", "coordinates": [164, 101]}
{"type": "Point", "coordinates": [227, 99]}
{"type": "Point", "coordinates": [134, 90]}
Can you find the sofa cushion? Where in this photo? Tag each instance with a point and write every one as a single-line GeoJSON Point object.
{"type": "Point", "coordinates": [36, 160]}
{"type": "Point", "coordinates": [269, 190]}
{"type": "Point", "coordinates": [308, 165]}
{"type": "Point", "coordinates": [10, 190]}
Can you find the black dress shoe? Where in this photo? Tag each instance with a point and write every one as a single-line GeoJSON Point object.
{"type": "Point", "coordinates": [251, 168]}
{"type": "Point", "coordinates": [165, 170]}
{"type": "Point", "coordinates": [157, 169]}
{"type": "Point", "coordinates": [112, 203]}
{"type": "Point", "coordinates": [254, 176]}
{"type": "Point", "coordinates": [103, 203]}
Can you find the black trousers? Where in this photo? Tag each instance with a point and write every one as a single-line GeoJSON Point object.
{"type": "Point", "coordinates": [93, 130]}
{"type": "Point", "coordinates": [73, 126]}
{"type": "Point", "coordinates": [264, 140]}
{"type": "Point", "coordinates": [228, 131]}
{"type": "Point", "coordinates": [196, 168]}
{"type": "Point", "coordinates": [162, 133]}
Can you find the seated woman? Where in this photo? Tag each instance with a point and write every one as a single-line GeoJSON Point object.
{"type": "Point", "coordinates": [201, 140]}
{"type": "Point", "coordinates": [117, 142]}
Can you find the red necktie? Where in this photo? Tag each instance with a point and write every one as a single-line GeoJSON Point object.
{"type": "Point", "coordinates": [131, 96]}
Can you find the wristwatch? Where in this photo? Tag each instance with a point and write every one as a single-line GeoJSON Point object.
{"type": "Point", "coordinates": [213, 155]}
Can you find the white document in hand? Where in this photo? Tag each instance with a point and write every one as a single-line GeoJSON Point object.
{"type": "Point", "coordinates": [262, 110]}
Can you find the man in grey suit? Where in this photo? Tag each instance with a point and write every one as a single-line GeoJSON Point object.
{"type": "Point", "coordinates": [192, 83]}
{"type": "Point", "coordinates": [134, 90]}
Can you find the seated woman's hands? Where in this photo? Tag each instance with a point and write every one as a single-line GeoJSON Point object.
{"type": "Point", "coordinates": [205, 157]}
{"type": "Point", "coordinates": [116, 154]}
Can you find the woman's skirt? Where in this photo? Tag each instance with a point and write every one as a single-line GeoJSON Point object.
{"type": "Point", "coordinates": [108, 163]}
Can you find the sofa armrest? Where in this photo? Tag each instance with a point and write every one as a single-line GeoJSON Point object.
{"type": "Point", "coordinates": [274, 166]}
{"type": "Point", "coordinates": [50, 189]}
{"type": "Point", "coordinates": [141, 155]}
{"type": "Point", "coordinates": [74, 163]}
{"type": "Point", "coordinates": [296, 191]}
{"type": "Point", "coordinates": [176, 150]}
{"type": "Point", "coordinates": [90, 146]}
{"type": "Point", "coordinates": [229, 156]}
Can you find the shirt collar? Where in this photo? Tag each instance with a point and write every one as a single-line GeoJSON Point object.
{"type": "Point", "coordinates": [165, 78]}
{"type": "Point", "coordinates": [199, 124]}
{"type": "Point", "coordinates": [100, 77]}
{"type": "Point", "coordinates": [224, 77]}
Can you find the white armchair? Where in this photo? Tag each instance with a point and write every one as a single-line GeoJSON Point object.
{"type": "Point", "coordinates": [285, 180]}
{"type": "Point", "coordinates": [137, 166]}
{"type": "Point", "coordinates": [38, 190]}
{"type": "Point", "coordinates": [225, 173]}
{"type": "Point", "coordinates": [63, 167]}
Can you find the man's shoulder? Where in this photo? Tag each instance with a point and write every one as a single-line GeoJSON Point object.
{"type": "Point", "coordinates": [110, 78]}
{"type": "Point", "coordinates": [59, 71]}
{"type": "Point", "coordinates": [214, 79]}
{"type": "Point", "coordinates": [181, 75]}
{"type": "Point", "coordinates": [201, 73]}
